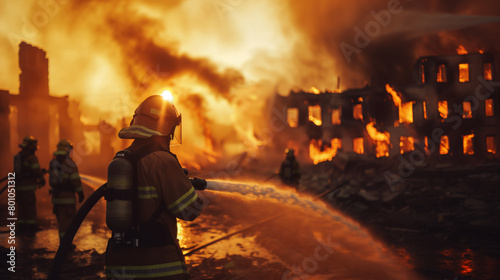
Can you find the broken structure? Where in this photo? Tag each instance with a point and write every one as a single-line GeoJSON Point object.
{"type": "Point", "coordinates": [450, 112]}
{"type": "Point", "coordinates": [49, 118]}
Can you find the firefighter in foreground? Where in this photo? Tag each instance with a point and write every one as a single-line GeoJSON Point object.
{"type": "Point", "coordinates": [144, 245]}
{"type": "Point", "coordinates": [290, 169]}
{"type": "Point", "coordinates": [28, 177]}
{"type": "Point", "coordinates": [65, 181]}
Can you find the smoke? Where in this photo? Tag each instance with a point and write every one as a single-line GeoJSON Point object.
{"type": "Point", "coordinates": [223, 60]}
{"type": "Point", "coordinates": [396, 34]}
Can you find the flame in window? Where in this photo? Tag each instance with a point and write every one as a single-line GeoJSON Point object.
{"type": "Point", "coordinates": [424, 107]}
{"type": "Point", "coordinates": [444, 146]}
{"type": "Point", "coordinates": [336, 114]}
{"type": "Point", "coordinates": [422, 73]}
{"type": "Point", "coordinates": [443, 109]}
{"type": "Point", "coordinates": [487, 73]}
{"type": "Point", "coordinates": [468, 145]}
{"type": "Point", "coordinates": [467, 110]}
{"type": "Point", "coordinates": [381, 139]}
{"type": "Point", "coordinates": [463, 72]}
{"type": "Point", "coordinates": [315, 114]}
{"type": "Point", "coordinates": [358, 145]}
{"type": "Point", "coordinates": [488, 108]}
{"type": "Point", "coordinates": [491, 144]}
{"type": "Point", "coordinates": [406, 144]}
{"type": "Point", "coordinates": [406, 112]}
{"type": "Point", "coordinates": [320, 153]}
{"type": "Point", "coordinates": [292, 117]}
{"type": "Point", "coordinates": [357, 112]}
{"type": "Point", "coordinates": [441, 74]}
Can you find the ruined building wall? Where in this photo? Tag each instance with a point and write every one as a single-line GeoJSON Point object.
{"type": "Point", "coordinates": [468, 129]}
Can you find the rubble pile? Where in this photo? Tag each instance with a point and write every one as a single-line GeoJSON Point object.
{"type": "Point", "coordinates": [438, 204]}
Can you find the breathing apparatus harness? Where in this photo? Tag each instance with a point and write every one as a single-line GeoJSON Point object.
{"type": "Point", "coordinates": [121, 208]}
{"type": "Point", "coordinates": [116, 193]}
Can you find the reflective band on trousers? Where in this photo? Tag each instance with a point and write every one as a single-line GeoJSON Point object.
{"type": "Point", "coordinates": [56, 200]}
{"type": "Point", "coordinates": [183, 202]}
{"type": "Point", "coordinates": [146, 271]}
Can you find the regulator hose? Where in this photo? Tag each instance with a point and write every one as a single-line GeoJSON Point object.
{"type": "Point", "coordinates": [67, 240]}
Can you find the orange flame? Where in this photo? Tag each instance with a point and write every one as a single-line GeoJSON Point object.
{"type": "Point", "coordinates": [468, 144]}
{"type": "Point", "coordinates": [381, 139]}
{"type": "Point", "coordinates": [318, 154]}
{"type": "Point", "coordinates": [406, 112]}
{"type": "Point", "coordinates": [461, 50]}
{"type": "Point", "coordinates": [292, 117]}
{"type": "Point", "coordinates": [358, 145]}
{"type": "Point", "coordinates": [394, 94]}
{"type": "Point", "coordinates": [444, 147]}
{"type": "Point", "coordinates": [443, 109]}
{"type": "Point", "coordinates": [315, 115]}
{"type": "Point", "coordinates": [406, 144]}
{"type": "Point", "coordinates": [315, 90]}
{"type": "Point", "coordinates": [463, 72]}
{"type": "Point", "coordinates": [487, 73]}
{"type": "Point", "coordinates": [488, 107]}
{"type": "Point", "coordinates": [491, 144]}
{"type": "Point", "coordinates": [357, 112]}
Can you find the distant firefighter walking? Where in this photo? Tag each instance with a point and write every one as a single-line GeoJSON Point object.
{"type": "Point", "coordinates": [28, 177]}
{"type": "Point", "coordinates": [290, 169]}
{"type": "Point", "coordinates": [65, 182]}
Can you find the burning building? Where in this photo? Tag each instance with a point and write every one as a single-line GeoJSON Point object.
{"type": "Point", "coordinates": [450, 112]}
{"type": "Point", "coordinates": [49, 118]}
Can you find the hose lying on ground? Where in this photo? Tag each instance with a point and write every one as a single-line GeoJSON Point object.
{"type": "Point", "coordinates": [67, 240]}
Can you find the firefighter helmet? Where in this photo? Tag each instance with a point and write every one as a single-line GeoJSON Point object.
{"type": "Point", "coordinates": [29, 142]}
{"type": "Point", "coordinates": [63, 147]}
{"type": "Point", "coordinates": [155, 116]}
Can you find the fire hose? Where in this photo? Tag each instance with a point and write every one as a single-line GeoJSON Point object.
{"type": "Point", "coordinates": [263, 221]}
{"type": "Point", "coordinates": [72, 229]}
{"type": "Point", "coordinates": [69, 235]}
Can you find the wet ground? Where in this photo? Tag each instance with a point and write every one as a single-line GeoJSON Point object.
{"type": "Point", "coordinates": [310, 241]}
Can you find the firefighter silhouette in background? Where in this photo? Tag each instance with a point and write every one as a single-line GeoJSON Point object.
{"type": "Point", "coordinates": [290, 169]}
{"type": "Point", "coordinates": [65, 182]}
{"type": "Point", "coordinates": [28, 177]}
{"type": "Point", "coordinates": [144, 241]}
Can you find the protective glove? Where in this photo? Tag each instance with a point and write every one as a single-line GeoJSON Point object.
{"type": "Point", "coordinates": [41, 182]}
{"type": "Point", "coordinates": [199, 184]}
{"type": "Point", "coordinates": [80, 197]}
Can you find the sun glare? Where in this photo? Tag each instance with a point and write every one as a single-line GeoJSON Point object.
{"type": "Point", "coordinates": [167, 95]}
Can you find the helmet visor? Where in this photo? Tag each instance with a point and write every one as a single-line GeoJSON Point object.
{"type": "Point", "coordinates": [177, 137]}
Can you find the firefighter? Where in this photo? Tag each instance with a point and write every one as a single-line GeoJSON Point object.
{"type": "Point", "coordinates": [163, 194]}
{"type": "Point", "coordinates": [64, 181]}
{"type": "Point", "coordinates": [290, 169]}
{"type": "Point", "coordinates": [28, 177]}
